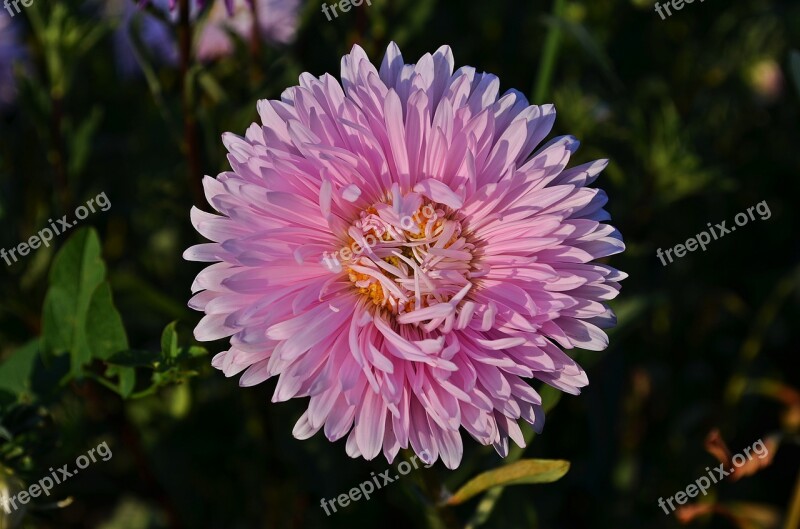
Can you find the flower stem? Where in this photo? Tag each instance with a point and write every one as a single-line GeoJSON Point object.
{"type": "Point", "coordinates": [59, 152]}
{"type": "Point", "coordinates": [439, 516]}
{"type": "Point", "coordinates": [191, 144]}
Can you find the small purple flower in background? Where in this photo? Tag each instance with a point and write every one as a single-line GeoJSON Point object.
{"type": "Point", "coordinates": [155, 36]}
{"type": "Point", "coordinates": [11, 52]}
{"type": "Point", "coordinates": [473, 257]}
{"type": "Point", "coordinates": [199, 4]}
{"type": "Point", "coordinates": [277, 22]}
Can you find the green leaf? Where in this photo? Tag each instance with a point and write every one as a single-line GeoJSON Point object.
{"type": "Point", "coordinates": [5, 434]}
{"type": "Point", "coordinates": [590, 46]}
{"type": "Point", "coordinates": [105, 332]}
{"type": "Point", "coordinates": [196, 350]}
{"type": "Point", "coordinates": [524, 471]}
{"type": "Point", "coordinates": [165, 365]}
{"type": "Point", "coordinates": [172, 353]}
{"type": "Point", "coordinates": [169, 342]}
{"type": "Point", "coordinates": [126, 379]}
{"type": "Point", "coordinates": [77, 271]}
{"type": "Point", "coordinates": [79, 316]}
{"type": "Point", "coordinates": [81, 141]}
{"type": "Point", "coordinates": [16, 370]}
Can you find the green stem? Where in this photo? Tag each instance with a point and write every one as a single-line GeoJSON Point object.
{"type": "Point", "coordinates": [45, 32]}
{"type": "Point", "coordinates": [255, 41]}
{"type": "Point", "coordinates": [550, 397]}
{"type": "Point", "coordinates": [549, 55]}
{"type": "Point", "coordinates": [191, 143]}
{"type": "Point", "coordinates": [102, 381]}
{"type": "Point", "coordinates": [485, 507]}
{"type": "Point", "coordinates": [439, 516]}
{"type": "Point", "coordinates": [755, 339]}
{"type": "Point", "coordinates": [59, 152]}
{"type": "Point", "coordinates": [153, 82]}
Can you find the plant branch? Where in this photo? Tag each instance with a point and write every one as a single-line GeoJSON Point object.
{"type": "Point", "coordinates": [191, 144]}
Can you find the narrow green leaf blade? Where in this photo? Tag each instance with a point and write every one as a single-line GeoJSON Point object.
{"type": "Point", "coordinates": [524, 471]}
{"type": "Point", "coordinates": [169, 341]}
{"type": "Point", "coordinates": [127, 381]}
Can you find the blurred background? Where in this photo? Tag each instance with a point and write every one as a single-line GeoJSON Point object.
{"type": "Point", "coordinates": [699, 114]}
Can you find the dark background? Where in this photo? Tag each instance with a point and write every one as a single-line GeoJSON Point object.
{"type": "Point", "coordinates": [699, 116]}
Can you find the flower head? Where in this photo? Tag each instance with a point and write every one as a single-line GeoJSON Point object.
{"type": "Point", "coordinates": [399, 250]}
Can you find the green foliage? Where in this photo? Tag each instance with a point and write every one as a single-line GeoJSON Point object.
{"type": "Point", "coordinates": [698, 116]}
{"type": "Point", "coordinates": [168, 365]}
{"type": "Point", "coordinates": [16, 371]}
{"type": "Point", "coordinates": [79, 317]}
{"type": "Point", "coordinates": [525, 471]}
{"type": "Point", "coordinates": [65, 39]}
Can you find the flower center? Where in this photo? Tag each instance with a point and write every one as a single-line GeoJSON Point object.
{"type": "Point", "coordinates": [411, 260]}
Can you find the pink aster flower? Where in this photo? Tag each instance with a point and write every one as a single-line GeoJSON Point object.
{"type": "Point", "coordinates": [470, 266]}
